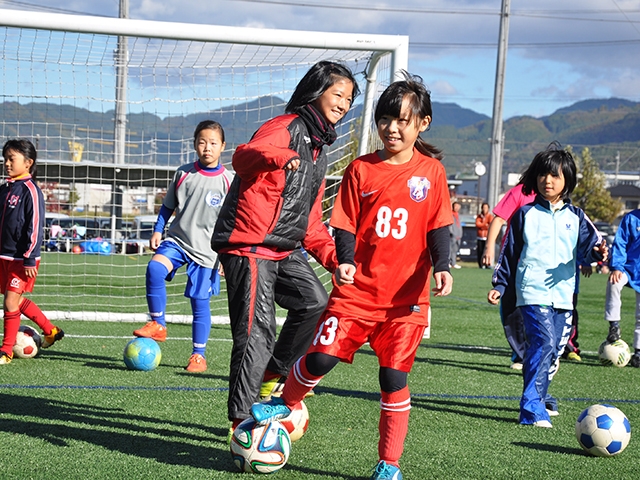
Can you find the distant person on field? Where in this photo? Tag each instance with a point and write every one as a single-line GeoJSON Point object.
{"type": "Point", "coordinates": [386, 243]}
{"type": "Point", "coordinates": [195, 195]}
{"type": "Point", "coordinates": [624, 270]}
{"type": "Point", "coordinates": [483, 220]}
{"type": "Point", "coordinates": [22, 232]}
{"type": "Point", "coordinates": [539, 255]}
{"type": "Point", "coordinates": [509, 315]}
{"type": "Point", "coordinates": [274, 208]}
{"type": "Point", "coordinates": [455, 236]}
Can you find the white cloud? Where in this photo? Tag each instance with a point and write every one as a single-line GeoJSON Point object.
{"type": "Point", "coordinates": [154, 10]}
{"type": "Point", "coordinates": [454, 42]}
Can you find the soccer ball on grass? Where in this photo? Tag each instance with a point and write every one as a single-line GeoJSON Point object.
{"type": "Point", "coordinates": [142, 354]}
{"type": "Point", "coordinates": [260, 448]}
{"type": "Point", "coordinates": [603, 430]}
{"type": "Point", "coordinates": [28, 342]}
{"type": "Point", "coordinates": [614, 353]}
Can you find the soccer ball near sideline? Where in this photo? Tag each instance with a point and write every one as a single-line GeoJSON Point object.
{"type": "Point", "coordinates": [296, 422]}
{"type": "Point", "coordinates": [142, 354]}
{"type": "Point", "coordinates": [615, 353]}
{"type": "Point", "coordinates": [260, 448]}
{"type": "Point", "coordinates": [603, 430]}
{"type": "Point", "coordinates": [28, 342]}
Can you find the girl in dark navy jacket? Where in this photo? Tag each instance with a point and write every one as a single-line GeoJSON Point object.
{"type": "Point", "coordinates": [21, 232]}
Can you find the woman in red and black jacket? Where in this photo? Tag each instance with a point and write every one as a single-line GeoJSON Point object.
{"type": "Point", "coordinates": [274, 207]}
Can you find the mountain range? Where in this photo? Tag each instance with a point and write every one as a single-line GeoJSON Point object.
{"type": "Point", "coordinates": [608, 127]}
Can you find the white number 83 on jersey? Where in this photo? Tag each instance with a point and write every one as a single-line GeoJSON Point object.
{"type": "Point", "coordinates": [386, 218]}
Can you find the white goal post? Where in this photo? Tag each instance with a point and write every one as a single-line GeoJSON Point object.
{"type": "Point", "coordinates": [111, 105]}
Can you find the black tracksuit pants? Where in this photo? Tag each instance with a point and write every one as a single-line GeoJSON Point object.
{"type": "Point", "coordinates": [254, 286]}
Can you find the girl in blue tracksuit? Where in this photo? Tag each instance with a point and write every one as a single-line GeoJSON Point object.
{"type": "Point", "coordinates": [539, 256]}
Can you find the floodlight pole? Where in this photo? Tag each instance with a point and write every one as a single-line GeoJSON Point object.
{"type": "Point", "coordinates": [497, 139]}
{"type": "Point", "coordinates": [120, 126]}
{"type": "Point", "coordinates": [121, 55]}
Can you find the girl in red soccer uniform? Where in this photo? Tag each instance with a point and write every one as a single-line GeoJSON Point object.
{"type": "Point", "coordinates": [21, 231]}
{"type": "Point", "coordinates": [391, 221]}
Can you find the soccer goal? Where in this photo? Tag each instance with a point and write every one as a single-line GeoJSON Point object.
{"type": "Point", "coordinates": [111, 105]}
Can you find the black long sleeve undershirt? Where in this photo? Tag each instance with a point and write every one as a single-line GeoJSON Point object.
{"type": "Point", "coordinates": [438, 241]}
{"type": "Point", "coordinates": [345, 246]}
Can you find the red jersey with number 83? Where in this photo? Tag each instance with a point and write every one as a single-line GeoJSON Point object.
{"type": "Point", "coordinates": [390, 208]}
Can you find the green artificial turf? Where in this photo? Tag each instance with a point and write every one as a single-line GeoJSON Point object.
{"type": "Point", "coordinates": [76, 412]}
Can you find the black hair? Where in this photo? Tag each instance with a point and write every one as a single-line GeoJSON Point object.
{"type": "Point", "coordinates": [208, 125]}
{"type": "Point", "coordinates": [413, 89]}
{"type": "Point", "coordinates": [316, 81]}
{"type": "Point", "coordinates": [26, 148]}
{"type": "Point", "coordinates": [553, 160]}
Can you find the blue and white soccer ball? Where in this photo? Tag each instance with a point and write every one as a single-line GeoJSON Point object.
{"type": "Point", "coordinates": [614, 353]}
{"type": "Point", "coordinates": [260, 448]}
{"type": "Point", "coordinates": [142, 354]}
{"type": "Point", "coordinates": [603, 430]}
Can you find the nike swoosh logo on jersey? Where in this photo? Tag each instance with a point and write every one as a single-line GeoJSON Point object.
{"type": "Point", "coordinates": [367, 194]}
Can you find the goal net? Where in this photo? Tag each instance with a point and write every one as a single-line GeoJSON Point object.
{"type": "Point", "coordinates": [111, 105]}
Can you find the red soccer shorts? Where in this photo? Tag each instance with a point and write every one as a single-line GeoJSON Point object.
{"type": "Point", "coordinates": [394, 343]}
{"type": "Point", "coordinates": [13, 278]}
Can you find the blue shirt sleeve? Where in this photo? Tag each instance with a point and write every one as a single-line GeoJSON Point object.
{"type": "Point", "coordinates": [163, 217]}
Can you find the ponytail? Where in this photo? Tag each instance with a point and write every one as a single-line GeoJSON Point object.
{"type": "Point", "coordinates": [428, 149]}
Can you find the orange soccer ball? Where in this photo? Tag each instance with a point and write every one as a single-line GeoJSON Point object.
{"type": "Point", "coordinates": [76, 249]}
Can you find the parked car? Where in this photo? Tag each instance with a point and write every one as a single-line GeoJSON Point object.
{"type": "Point", "coordinates": [468, 244]}
{"type": "Point", "coordinates": [607, 231]}
{"type": "Point", "coordinates": [139, 233]}
{"type": "Point", "coordinates": [142, 227]}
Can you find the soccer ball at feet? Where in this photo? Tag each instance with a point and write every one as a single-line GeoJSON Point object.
{"type": "Point", "coordinates": [260, 448]}
{"type": "Point", "coordinates": [28, 342]}
{"type": "Point", "coordinates": [296, 422]}
{"type": "Point", "coordinates": [603, 430]}
{"type": "Point", "coordinates": [614, 353]}
{"type": "Point", "coordinates": [142, 354]}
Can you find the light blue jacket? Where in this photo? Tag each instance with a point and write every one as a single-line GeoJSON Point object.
{"type": "Point", "coordinates": [540, 253]}
{"type": "Point", "coordinates": [625, 252]}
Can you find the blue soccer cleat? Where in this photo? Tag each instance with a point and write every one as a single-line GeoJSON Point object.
{"type": "Point", "coordinates": [384, 471]}
{"type": "Point", "coordinates": [272, 409]}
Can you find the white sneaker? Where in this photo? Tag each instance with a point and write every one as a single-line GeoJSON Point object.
{"type": "Point", "coordinates": [543, 424]}
{"type": "Point", "coordinates": [516, 366]}
{"type": "Point", "coordinates": [553, 413]}
{"type": "Point", "coordinates": [457, 266]}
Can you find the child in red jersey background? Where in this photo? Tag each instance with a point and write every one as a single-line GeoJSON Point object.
{"type": "Point", "coordinates": [391, 221]}
{"type": "Point", "coordinates": [21, 232]}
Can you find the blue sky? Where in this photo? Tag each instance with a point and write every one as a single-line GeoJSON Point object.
{"type": "Point", "coordinates": [560, 51]}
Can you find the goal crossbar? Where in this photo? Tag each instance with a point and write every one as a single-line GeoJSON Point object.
{"type": "Point", "coordinates": [397, 44]}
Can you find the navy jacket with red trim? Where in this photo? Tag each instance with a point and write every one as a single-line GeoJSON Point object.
{"type": "Point", "coordinates": [22, 220]}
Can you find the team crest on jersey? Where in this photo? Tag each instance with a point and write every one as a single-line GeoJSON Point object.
{"type": "Point", "coordinates": [213, 199]}
{"type": "Point", "coordinates": [418, 188]}
{"type": "Point", "coordinates": [13, 201]}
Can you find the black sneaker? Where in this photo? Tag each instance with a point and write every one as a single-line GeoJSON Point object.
{"type": "Point", "coordinates": [614, 333]}
{"type": "Point", "coordinates": [635, 360]}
